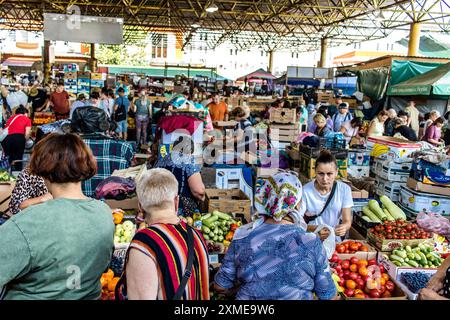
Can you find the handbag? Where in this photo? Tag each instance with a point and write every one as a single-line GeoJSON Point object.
{"type": "Point", "coordinates": [5, 131]}
{"type": "Point", "coordinates": [120, 114]}
{"type": "Point", "coordinates": [308, 219]}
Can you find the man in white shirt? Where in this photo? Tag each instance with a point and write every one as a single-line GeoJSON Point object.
{"type": "Point", "coordinates": [413, 120]}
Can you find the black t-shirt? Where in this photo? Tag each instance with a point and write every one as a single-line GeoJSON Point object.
{"type": "Point", "coordinates": [38, 100]}
{"type": "Point", "coordinates": [407, 132]}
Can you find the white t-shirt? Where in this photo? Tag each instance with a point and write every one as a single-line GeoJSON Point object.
{"type": "Point", "coordinates": [349, 130]}
{"type": "Point", "coordinates": [313, 202]}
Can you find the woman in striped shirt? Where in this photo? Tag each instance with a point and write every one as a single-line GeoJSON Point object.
{"type": "Point", "coordinates": [158, 255]}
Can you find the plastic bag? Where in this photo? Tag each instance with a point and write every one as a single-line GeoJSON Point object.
{"type": "Point", "coordinates": [435, 223]}
{"type": "Point", "coordinates": [329, 243]}
{"type": "Point", "coordinates": [90, 120]}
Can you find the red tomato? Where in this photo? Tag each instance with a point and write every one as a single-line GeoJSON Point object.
{"type": "Point", "coordinates": [341, 282]}
{"type": "Point", "coordinates": [382, 289]}
{"type": "Point", "coordinates": [338, 268]}
{"type": "Point", "coordinates": [354, 260]}
{"type": "Point", "coordinates": [334, 258]}
{"type": "Point", "coordinates": [345, 264]}
{"type": "Point", "coordinates": [374, 293]}
{"type": "Point", "coordinates": [354, 247]}
{"type": "Point", "coordinates": [360, 283]}
{"type": "Point", "coordinates": [340, 248]}
{"type": "Point", "coordinates": [372, 262]}
{"type": "Point", "coordinates": [364, 249]}
{"type": "Point", "coordinates": [382, 270]}
{"type": "Point", "coordinates": [390, 286]}
{"type": "Point", "coordinates": [349, 292]}
{"type": "Point", "coordinates": [353, 276]}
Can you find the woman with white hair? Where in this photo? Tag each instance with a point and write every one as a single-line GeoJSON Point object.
{"type": "Point", "coordinates": [434, 114]}
{"type": "Point", "coordinates": [168, 260]}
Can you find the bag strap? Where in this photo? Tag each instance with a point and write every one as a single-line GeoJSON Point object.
{"type": "Point", "coordinates": [13, 121]}
{"type": "Point", "coordinates": [330, 197]}
{"type": "Point", "coordinates": [190, 261]}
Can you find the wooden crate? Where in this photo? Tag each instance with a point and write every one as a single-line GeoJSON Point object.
{"type": "Point", "coordinates": [307, 166]}
{"type": "Point", "coordinates": [284, 133]}
{"type": "Point", "coordinates": [283, 115]}
{"type": "Point", "coordinates": [227, 201]}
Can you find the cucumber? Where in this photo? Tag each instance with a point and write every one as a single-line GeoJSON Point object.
{"type": "Point", "coordinates": [408, 249]}
{"type": "Point", "coordinates": [412, 263]}
{"type": "Point", "coordinates": [206, 216]}
{"type": "Point", "coordinates": [406, 259]}
{"type": "Point", "coordinates": [206, 230]}
{"type": "Point", "coordinates": [423, 258]}
{"type": "Point", "coordinates": [397, 258]}
{"type": "Point", "coordinates": [220, 238]}
{"type": "Point", "coordinates": [220, 232]}
{"type": "Point", "coordinates": [221, 215]}
{"type": "Point", "coordinates": [411, 256]}
{"type": "Point", "coordinates": [402, 253]}
{"type": "Point", "coordinates": [398, 264]}
{"type": "Point", "coordinates": [417, 256]}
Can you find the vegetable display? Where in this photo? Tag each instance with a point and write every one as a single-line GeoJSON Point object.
{"type": "Point", "coordinates": [6, 177]}
{"type": "Point", "coordinates": [399, 229]}
{"type": "Point", "coordinates": [421, 256]}
{"type": "Point", "coordinates": [350, 247]}
{"type": "Point", "coordinates": [219, 227]}
{"type": "Point", "coordinates": [389, 212]}
{"type": "Point", "coordinates": [124, 232]}
{"type": "Point", "coordinates": [362, 279]}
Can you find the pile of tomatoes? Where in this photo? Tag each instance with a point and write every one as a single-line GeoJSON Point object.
{"type": "Point", "coordinates": [362, 278]}
{"type": "Point", "coordinates": [351, 247]}
{"type": "Point", "coordinates": [399, 229]}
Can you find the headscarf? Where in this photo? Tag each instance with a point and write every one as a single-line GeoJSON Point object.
{"type": "Point", "coordinates": [278, 196]}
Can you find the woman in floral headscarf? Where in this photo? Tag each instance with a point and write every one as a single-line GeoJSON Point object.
{"type": "Point", "coordinates": [274, 258]}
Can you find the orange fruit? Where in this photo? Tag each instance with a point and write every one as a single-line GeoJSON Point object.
{"type": "Point", "coordinates": [385, 276]}
{"type": "Point", "coordinates": [104, 280]}
{"type": "Point", "coordinates": [363, 271]}
{"type": "Point", "coordinates": [382, 281]}
{"type": "Point", "coordinates": [354, 268]}
{"type": "Point", "coordinates": [363, 263]}
{"type": "Point", "coordinates": [359, 296]}
{"type": "Point", "coordinates": [350, 284]}
{"type": "Point", "coordinates": [117, 217]}
{"type": "Point", "coordinates": [109, 274]}
{"type": "Point", "coordinates": [113, 283]}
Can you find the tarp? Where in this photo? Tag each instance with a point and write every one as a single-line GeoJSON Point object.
{"type": "Point", "coordinates": [402, 70]}
{"type": "Point", "coordinates": [160, 72]}
{"type": "Point", "coordinates": [372, 82]}
{"type": "Point", "coordinates": [424, 105]}
{"type": "Point", "coordinates": [258, 74]}
{"type": "Point", "coordinates": [430, 46]}
{"type": "Point", "coordinates": [434, 82]}
{"type": "Point", "coordinates": [297, 81]}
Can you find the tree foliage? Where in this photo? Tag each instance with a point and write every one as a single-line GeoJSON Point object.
{"type": "Point", "coordinates": [121, 55]}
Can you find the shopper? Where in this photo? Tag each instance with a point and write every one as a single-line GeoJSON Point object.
{"type": "Point", "coordinates": [403, 130]}
{"type": "Point", "coordinates": [389, 123]}
{"type": "Point", "coordinates": [181, 163]}
{"type": "Point", "coordinates": [438, 287]}
{"type": "Point", "coordinates": [111, 102]}
{"type": "Point", "coordinates": [434, 114]}
{"type": "Point", "coordinates": [80, 102]}
{"type": "Point", "coordinates": [121, 106]}
{"type": "Point", "coordinates": [413, 120]}
{"type": "Point", "coordinates": [159, 254]}
{"type": "Point", "coordinates": [334, 108]}
{"type": "Point", "coordinates": [325, 190]}
{"type": "Point", "coordinates": [350, 129]}
{"type": "Point", "coordinates": [111, 154]}
{"type": "Point", "coordinates": [376, 126]}
{"type": "Point", "coordinates": [342, 116]}
{"type": "Point", "coordinates": [403, 115]}
{"type": "Point", "coordinates": [322, 129]}
{"type": "Point", "coordinates": [143, 109]}
{"type": "Point", "coordinates": [29, 190]}
{"type": "Point", "coordinates": [243, 132]}
{"type": "Point", "coordinates": [37, 100]}
{"type": "Point", "coordinates": [274, 258]}
{"type": "Point", "coordinates": [104, 102]}
{"type": "Point", "coordinates": [59, 100]}
{"type": "Point", "coordinates": [94, 100]}
{"type": "Point", "coordinates": [19, 131]}
{"type": "Point", "coordinates": [433, 133]}
{"type": "Point", "coordinates": [218, 110]}
{"type": "Point", "coordinates": [58, 249]}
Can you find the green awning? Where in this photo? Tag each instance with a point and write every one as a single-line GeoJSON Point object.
{"type": "Point", "coordinates": [434, 82]}
{"type": "Point", "coordinates": [402, 70]}
{"type": "Point", "coordinates": [162, 72]}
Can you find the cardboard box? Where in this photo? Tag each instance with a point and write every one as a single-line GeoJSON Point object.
{"type": "Point", "coordinates": [235, 178]}
{"type": "Point", "coordinates": [417, 201]}
{"type": "Point", "coordinates": [361, 255]}
{"type": "Point", "coordinates": [355, 235]}
{"type": "Point", "coordinates": [410, 294]}
{"type": "Point", "coordinates": [388, 245]}
{"type": "Point", "coordinates": [358, 157]}
{"type": "Point", "coordinates": [307, 166]}
{"type": "Point", "coordinates": [361, 225]}
{"type": "Point", "coordinates": [225, 124]}
{"type": "Point", "coordinates": [395, 271]}
{"type": "Point", "coordinates": [265, 172]}
{"type": "Point", "coordinates": [127, 204]}
{"type": "Point", "coordinates": [397, 148]}
{"type": "Point", "coordinates": [397, 294]}
{"type": "Point", "coordinates": [358, 171]}
{"type": "Point", "coordinates": [422, 187]}
{"type": "Point", "coordinates": [227, 201]}
{"type": "Point", "coordinates": [356, 193]}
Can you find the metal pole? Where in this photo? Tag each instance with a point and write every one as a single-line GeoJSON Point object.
{"type": "Point", "coordinates": [414, 39]}
{"type": "Point", "coordinates": [93, 64]}
{"type": "Point", "coordinates": [323, 52]}
{"type": "Point", "coordinates": [271, 61]}
{"type": "Point", "coordinates": [46, 61]}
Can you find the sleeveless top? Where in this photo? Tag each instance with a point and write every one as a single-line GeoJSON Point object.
{"type": "Point", "coordinates": [379, 128]}
{"type": "Point", "coordinates": [167, 245]}
{"type": "Point", "coordinates": [142, 109]}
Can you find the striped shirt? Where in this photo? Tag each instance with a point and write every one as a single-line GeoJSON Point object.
{"type": "Point", "coordinates": [166, 244]}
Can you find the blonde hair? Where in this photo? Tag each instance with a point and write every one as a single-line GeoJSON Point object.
{"type": "Point", "coordinates": [435, 113]}
{"type": "Point", "coordinates": [319, 117]}
{"type": "Point", "coordinates": [157, 189]}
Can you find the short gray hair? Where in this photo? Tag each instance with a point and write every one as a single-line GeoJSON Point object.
{"type": "Point", "coordinates": [157, 188]}
{"type": "Point", "coordinates": [435, 113]}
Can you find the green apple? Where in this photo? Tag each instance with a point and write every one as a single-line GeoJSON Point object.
{"type": "Point", "coordinates": [128, 225]}
{"type": "Point", "coordinates": [116, 239]}
{"type": "Point", "coordinates": [128, 233]}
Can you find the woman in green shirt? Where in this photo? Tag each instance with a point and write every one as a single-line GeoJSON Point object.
{"type": "Point", "coordinates": [58, 249]}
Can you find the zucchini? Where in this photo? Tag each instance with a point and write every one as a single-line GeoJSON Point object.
{"type": "Point", "coordinates": [206, 230]}
{"type": "Point", "coordinates": [372, 216]}
{"type": "Point", "coordinates": [423, 258]}
{"type": "Point", "coordinates": [417, 256]}
{"type": "Point", "coordinates": [408, 248]}
{"type": "Point", "coordinates": [398, 264]}
{"type": "Point", "coordinates": [397, 258]}
{"type": "Point", "coordinates": [411, 256]}
{"type": "Point", "coordinates": [375, 208]}
{"type": "Point", "coordinates": [221, 215]}
{"type": "Point", "coordinates": [205, 236]}
{"type": "Point", "coordinates": [388, 215]}
{"type": "Point", "coordinates": [393, 209]}
{"type": "Point", "coordinates": [206, 216]}
{"type": "Point", "coordinates": [402, 253]}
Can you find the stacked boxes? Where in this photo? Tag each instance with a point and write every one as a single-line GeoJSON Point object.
{"type": "Point", "coordinates": [391, 175]}
{"type": "Point", "coordinates": [282, 135]}
{"type": "Point", "coordinates": [358, 163]}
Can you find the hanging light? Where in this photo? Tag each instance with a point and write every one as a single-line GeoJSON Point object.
{"type": "Point", "coordinates": [195, 25]}
{"type": "Point", "coordinates": [212, 7]}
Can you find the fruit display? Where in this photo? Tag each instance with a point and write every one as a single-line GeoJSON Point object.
{"type": "Point", "coordinates": [363, 279]}
{"type": "Point", "coordinates": [415, 281]}
{"type": "Point", "coordinates": [399, 229]}
{"type": "Point", "coordinates": [421, 256]}
{"type": "Point", "coordinates": [219, 227]}
{"type": "Point", "coordinates": [6, 177]}
{"type": "Point", "coordinates": [43, 118]}
{"type": "Point", "coordinates": [124, 232]}
{"type": "Point", "coordinates": [351, 247]}
{"type": "Point", "coordinates": [118, 215]}
{"type": "Point", "coordinates": [388, 212]}
{"type": "Point", "coordinates": [108, 282]}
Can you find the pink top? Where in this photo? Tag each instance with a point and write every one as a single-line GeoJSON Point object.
{"type": "Point", "coordinates": [432, 132]}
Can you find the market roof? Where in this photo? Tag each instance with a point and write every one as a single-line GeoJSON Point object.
{"type": "Point", "coordinates": [436, 82]}
{"type": "Point", "coordinates": [257, 74]}
{"type": "Point", "coordinates": [268, 24]}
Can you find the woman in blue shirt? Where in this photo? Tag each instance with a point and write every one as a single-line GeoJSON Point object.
{"type": "Point", "coordinates": [274, 258]}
